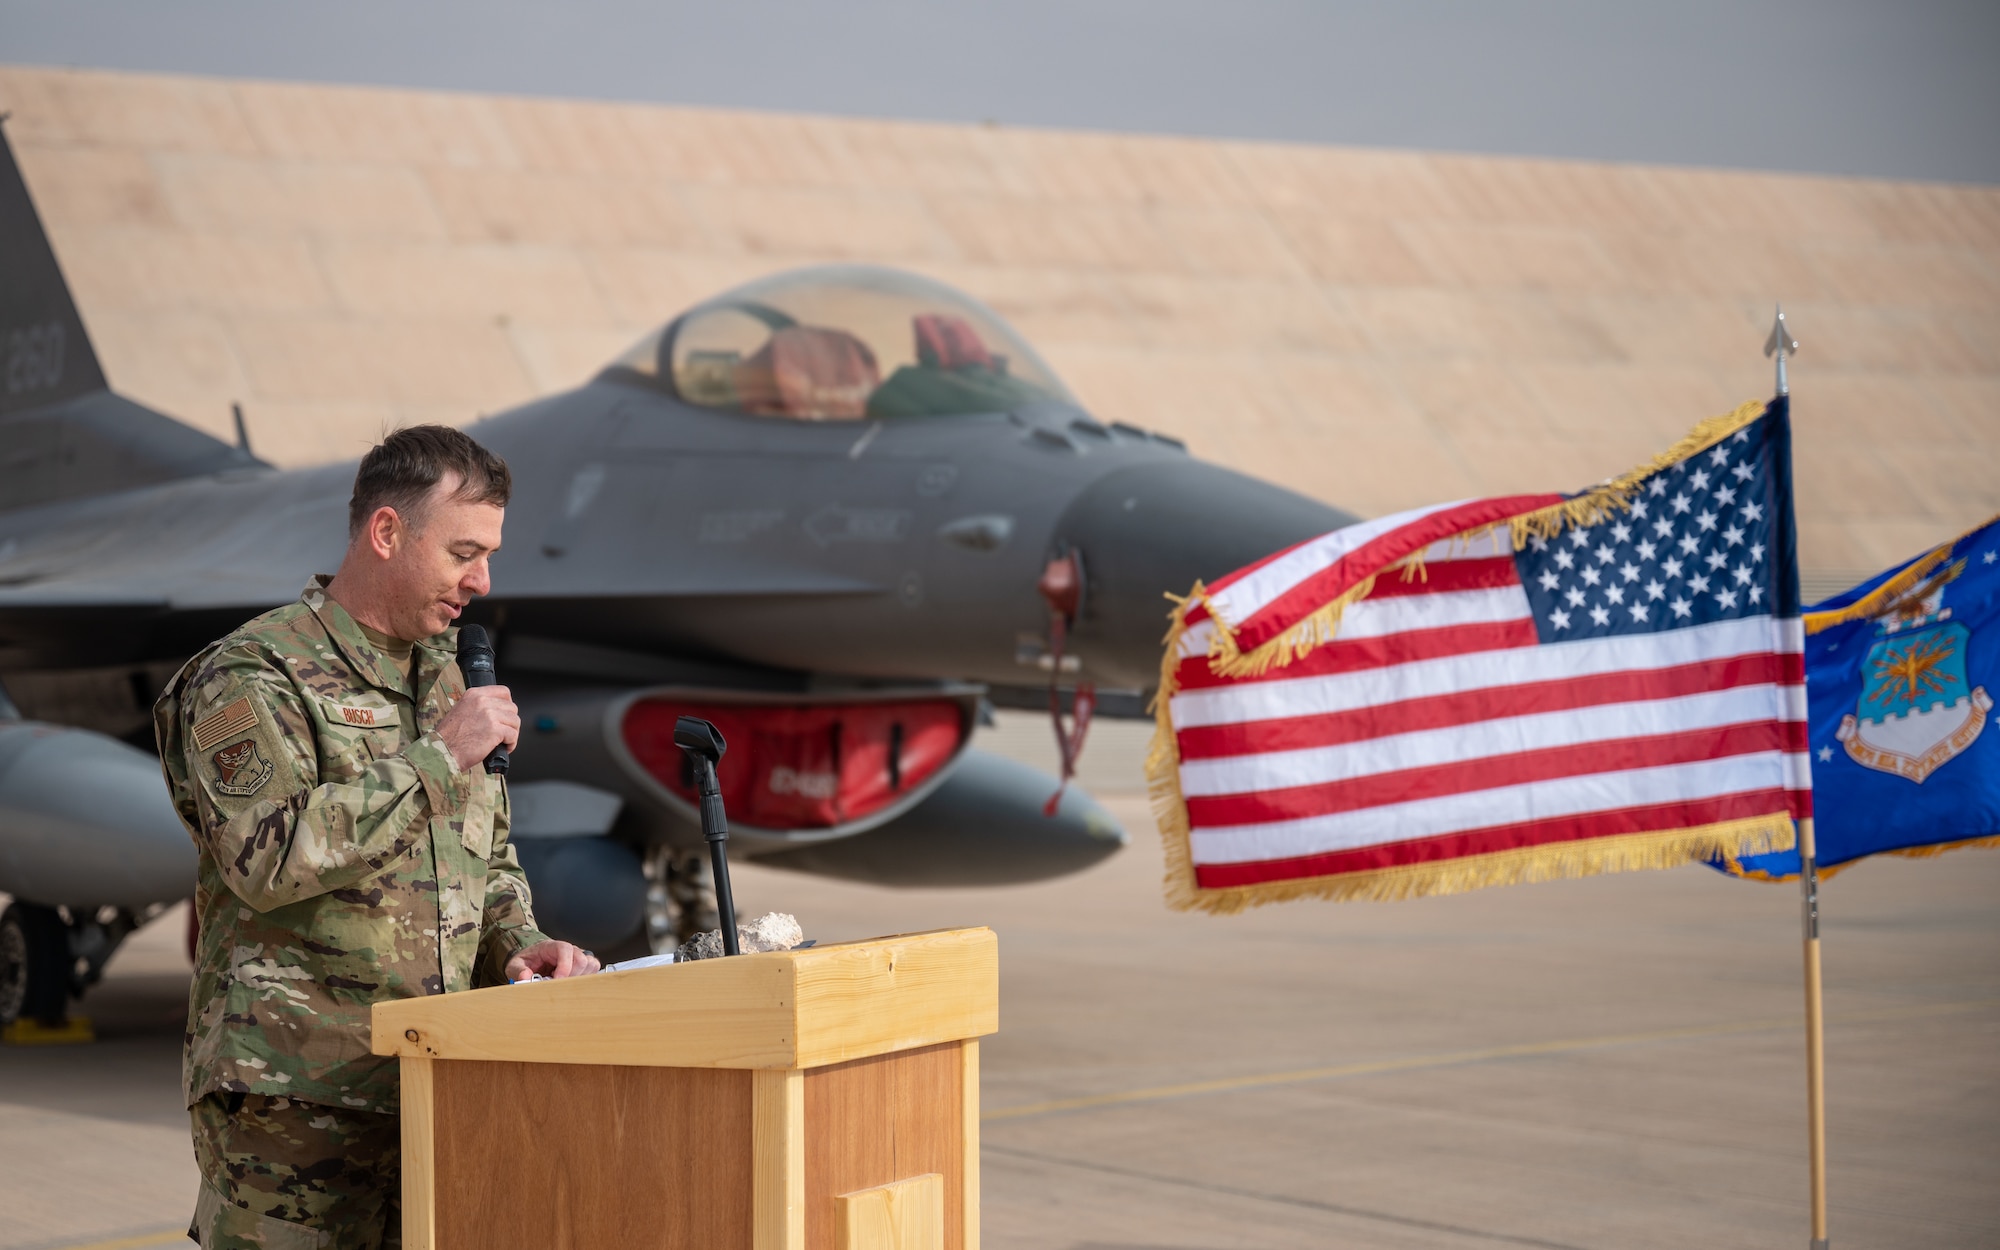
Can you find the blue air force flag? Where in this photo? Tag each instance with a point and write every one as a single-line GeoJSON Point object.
{"type": "Point", "coordinates": [1901, 676]}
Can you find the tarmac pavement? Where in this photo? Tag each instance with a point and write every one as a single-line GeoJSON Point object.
{"type": "Point", "coordinates": [1608, 1063]}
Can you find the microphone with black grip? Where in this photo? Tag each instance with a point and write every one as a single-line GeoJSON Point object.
{"type": "Point", "coordinates": [475, 659]}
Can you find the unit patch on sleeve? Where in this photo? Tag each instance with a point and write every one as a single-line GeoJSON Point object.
{"type": "Point", "coordinates": [241, 769]}
{"type": "Point", "coordinates": [227, 722]}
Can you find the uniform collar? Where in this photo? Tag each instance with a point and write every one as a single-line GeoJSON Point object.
{"type": "Point", "coordinates": [434, 654]}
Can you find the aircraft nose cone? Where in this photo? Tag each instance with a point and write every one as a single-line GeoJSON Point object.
{"type": "Point", "coordinates": [1151, 530]}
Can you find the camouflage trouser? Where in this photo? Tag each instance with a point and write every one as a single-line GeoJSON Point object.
{"type": "Point", "coordinates": [280, 1174]}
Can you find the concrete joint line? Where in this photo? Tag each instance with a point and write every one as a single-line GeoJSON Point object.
{"type": "Point", "coordinates": [1411, 1063]}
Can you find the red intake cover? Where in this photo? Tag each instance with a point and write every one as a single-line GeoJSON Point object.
{"type": "Point", "coordinates": [805, 767]}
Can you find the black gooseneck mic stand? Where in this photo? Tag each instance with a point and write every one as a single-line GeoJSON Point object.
{"type": "Point", "coordinates": [475, 660]}
{"type": "Point", "coordinates": [704, 746]}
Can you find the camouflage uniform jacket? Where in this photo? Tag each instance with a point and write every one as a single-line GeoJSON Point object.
{"type": "Point", "coordinates": [344, 858]}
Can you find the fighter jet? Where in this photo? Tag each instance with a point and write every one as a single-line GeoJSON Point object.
{"type": "Point", "coordinates": [838, 511]}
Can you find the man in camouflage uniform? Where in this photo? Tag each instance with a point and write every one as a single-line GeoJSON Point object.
{"type": "Point", "coordinates": [326, 758]}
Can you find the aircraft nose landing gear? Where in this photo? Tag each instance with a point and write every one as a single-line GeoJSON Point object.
{"type": "Point", "coordinates": [34, 970]}
{"type": "Point", "coordinates": [49, 956]}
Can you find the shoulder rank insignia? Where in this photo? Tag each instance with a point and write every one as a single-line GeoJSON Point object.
{"type": "Point", "coordinates": [241, 769]}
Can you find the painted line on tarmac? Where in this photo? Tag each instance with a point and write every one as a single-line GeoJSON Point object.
{"type": "Point", "coordinates": [1290, 1200]}
{"type": "Point", "coordinates": [164, 1237]}
{"type": "Point", "coordinates": [1410, 1063]}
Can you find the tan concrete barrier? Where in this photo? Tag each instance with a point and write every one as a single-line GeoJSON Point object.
{"type": "Point", "coordinates": [1376, 328]}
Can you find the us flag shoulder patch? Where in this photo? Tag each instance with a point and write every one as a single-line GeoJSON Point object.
{"type": "Point", "coordinates": [236, 718]}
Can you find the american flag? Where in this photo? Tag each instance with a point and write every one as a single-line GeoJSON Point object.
{"type": "Point", "coordinates": [1497, 690]}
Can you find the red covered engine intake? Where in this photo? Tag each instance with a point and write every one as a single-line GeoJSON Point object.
{"type": "Point", "coordinates": [810, 765]}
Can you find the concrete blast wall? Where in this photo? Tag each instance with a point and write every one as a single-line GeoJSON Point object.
{"type": "Point", "coordinates": [1376, 328]}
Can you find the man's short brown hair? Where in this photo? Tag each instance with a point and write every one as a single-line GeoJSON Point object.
{"type": "Point", "coordinates": [401, 470]}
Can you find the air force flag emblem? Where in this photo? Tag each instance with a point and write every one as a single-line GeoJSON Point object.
{"type": "Point", "coordinates": [1918, 711]}
{"type": "Point", "coordinates": [1898, 675]}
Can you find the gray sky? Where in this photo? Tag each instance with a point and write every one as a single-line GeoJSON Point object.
{"type": "Point", "coordinates": [1904, 89]}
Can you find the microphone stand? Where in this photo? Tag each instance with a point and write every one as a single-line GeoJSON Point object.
{"type": "Point", "coordinates": [715, 827]}
{"type": "Point", "coordinates": [704, 746]}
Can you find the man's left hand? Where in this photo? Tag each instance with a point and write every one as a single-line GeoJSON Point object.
{"type": "Point", "coordinates": [551, 959]}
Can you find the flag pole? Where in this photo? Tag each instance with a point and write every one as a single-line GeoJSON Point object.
{"type": "Point", "coordinates": [1779, 345]}
{"type": "Point", "coordinates": [1815, 1034]}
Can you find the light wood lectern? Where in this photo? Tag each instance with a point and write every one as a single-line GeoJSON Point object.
{"type": "Point", "coordinates": [820, 1099]}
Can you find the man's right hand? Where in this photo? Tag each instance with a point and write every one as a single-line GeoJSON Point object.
{"type": "Point", "coordinates": [481, 720]}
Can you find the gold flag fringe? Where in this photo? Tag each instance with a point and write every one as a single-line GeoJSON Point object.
{"type": "Point", "coordinates": [1323, 625]}
{"type": "Point", "coordinates": [1598, 503]}
{"type": "Point", "coordinates": [1602, 502]}
{"type": "Point", "coordinates": [1938, 848]}
{"type": "Point", "coordinates": [1163, 763]}
{"type": "Point", "coordinates": [1587, 857]}
{"type": "Point", "coordinates": [1884, 597]}
{"type": "Point", "coordinates": [1735, 866]}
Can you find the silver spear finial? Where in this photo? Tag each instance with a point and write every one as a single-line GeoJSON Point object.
{"type": "Point", "coordinates": [1781, 344]}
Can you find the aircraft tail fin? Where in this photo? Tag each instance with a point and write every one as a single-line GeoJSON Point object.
{"type": "Point", "coordinates": [63, 433]}
{"type": "Point", "coordinates": [48, 353]}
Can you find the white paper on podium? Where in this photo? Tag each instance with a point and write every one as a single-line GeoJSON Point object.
{"type": "Point", "coordinates": [648, 961]}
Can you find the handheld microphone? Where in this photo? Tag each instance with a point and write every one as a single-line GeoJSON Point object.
{"type": "Point", "coordinates": [475, 659]}
{"type": "Point", "coordinates": [704, 746]}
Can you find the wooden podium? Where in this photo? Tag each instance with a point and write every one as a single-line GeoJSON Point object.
{"type": "Point", "coordinates": [820, 1099]}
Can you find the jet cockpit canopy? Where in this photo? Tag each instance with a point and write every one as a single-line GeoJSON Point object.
{"type": "Point", "coordinates": [843, 342]}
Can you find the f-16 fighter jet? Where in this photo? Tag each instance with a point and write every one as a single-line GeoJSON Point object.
{"type": "Point", "coordinates": [837, 512]}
